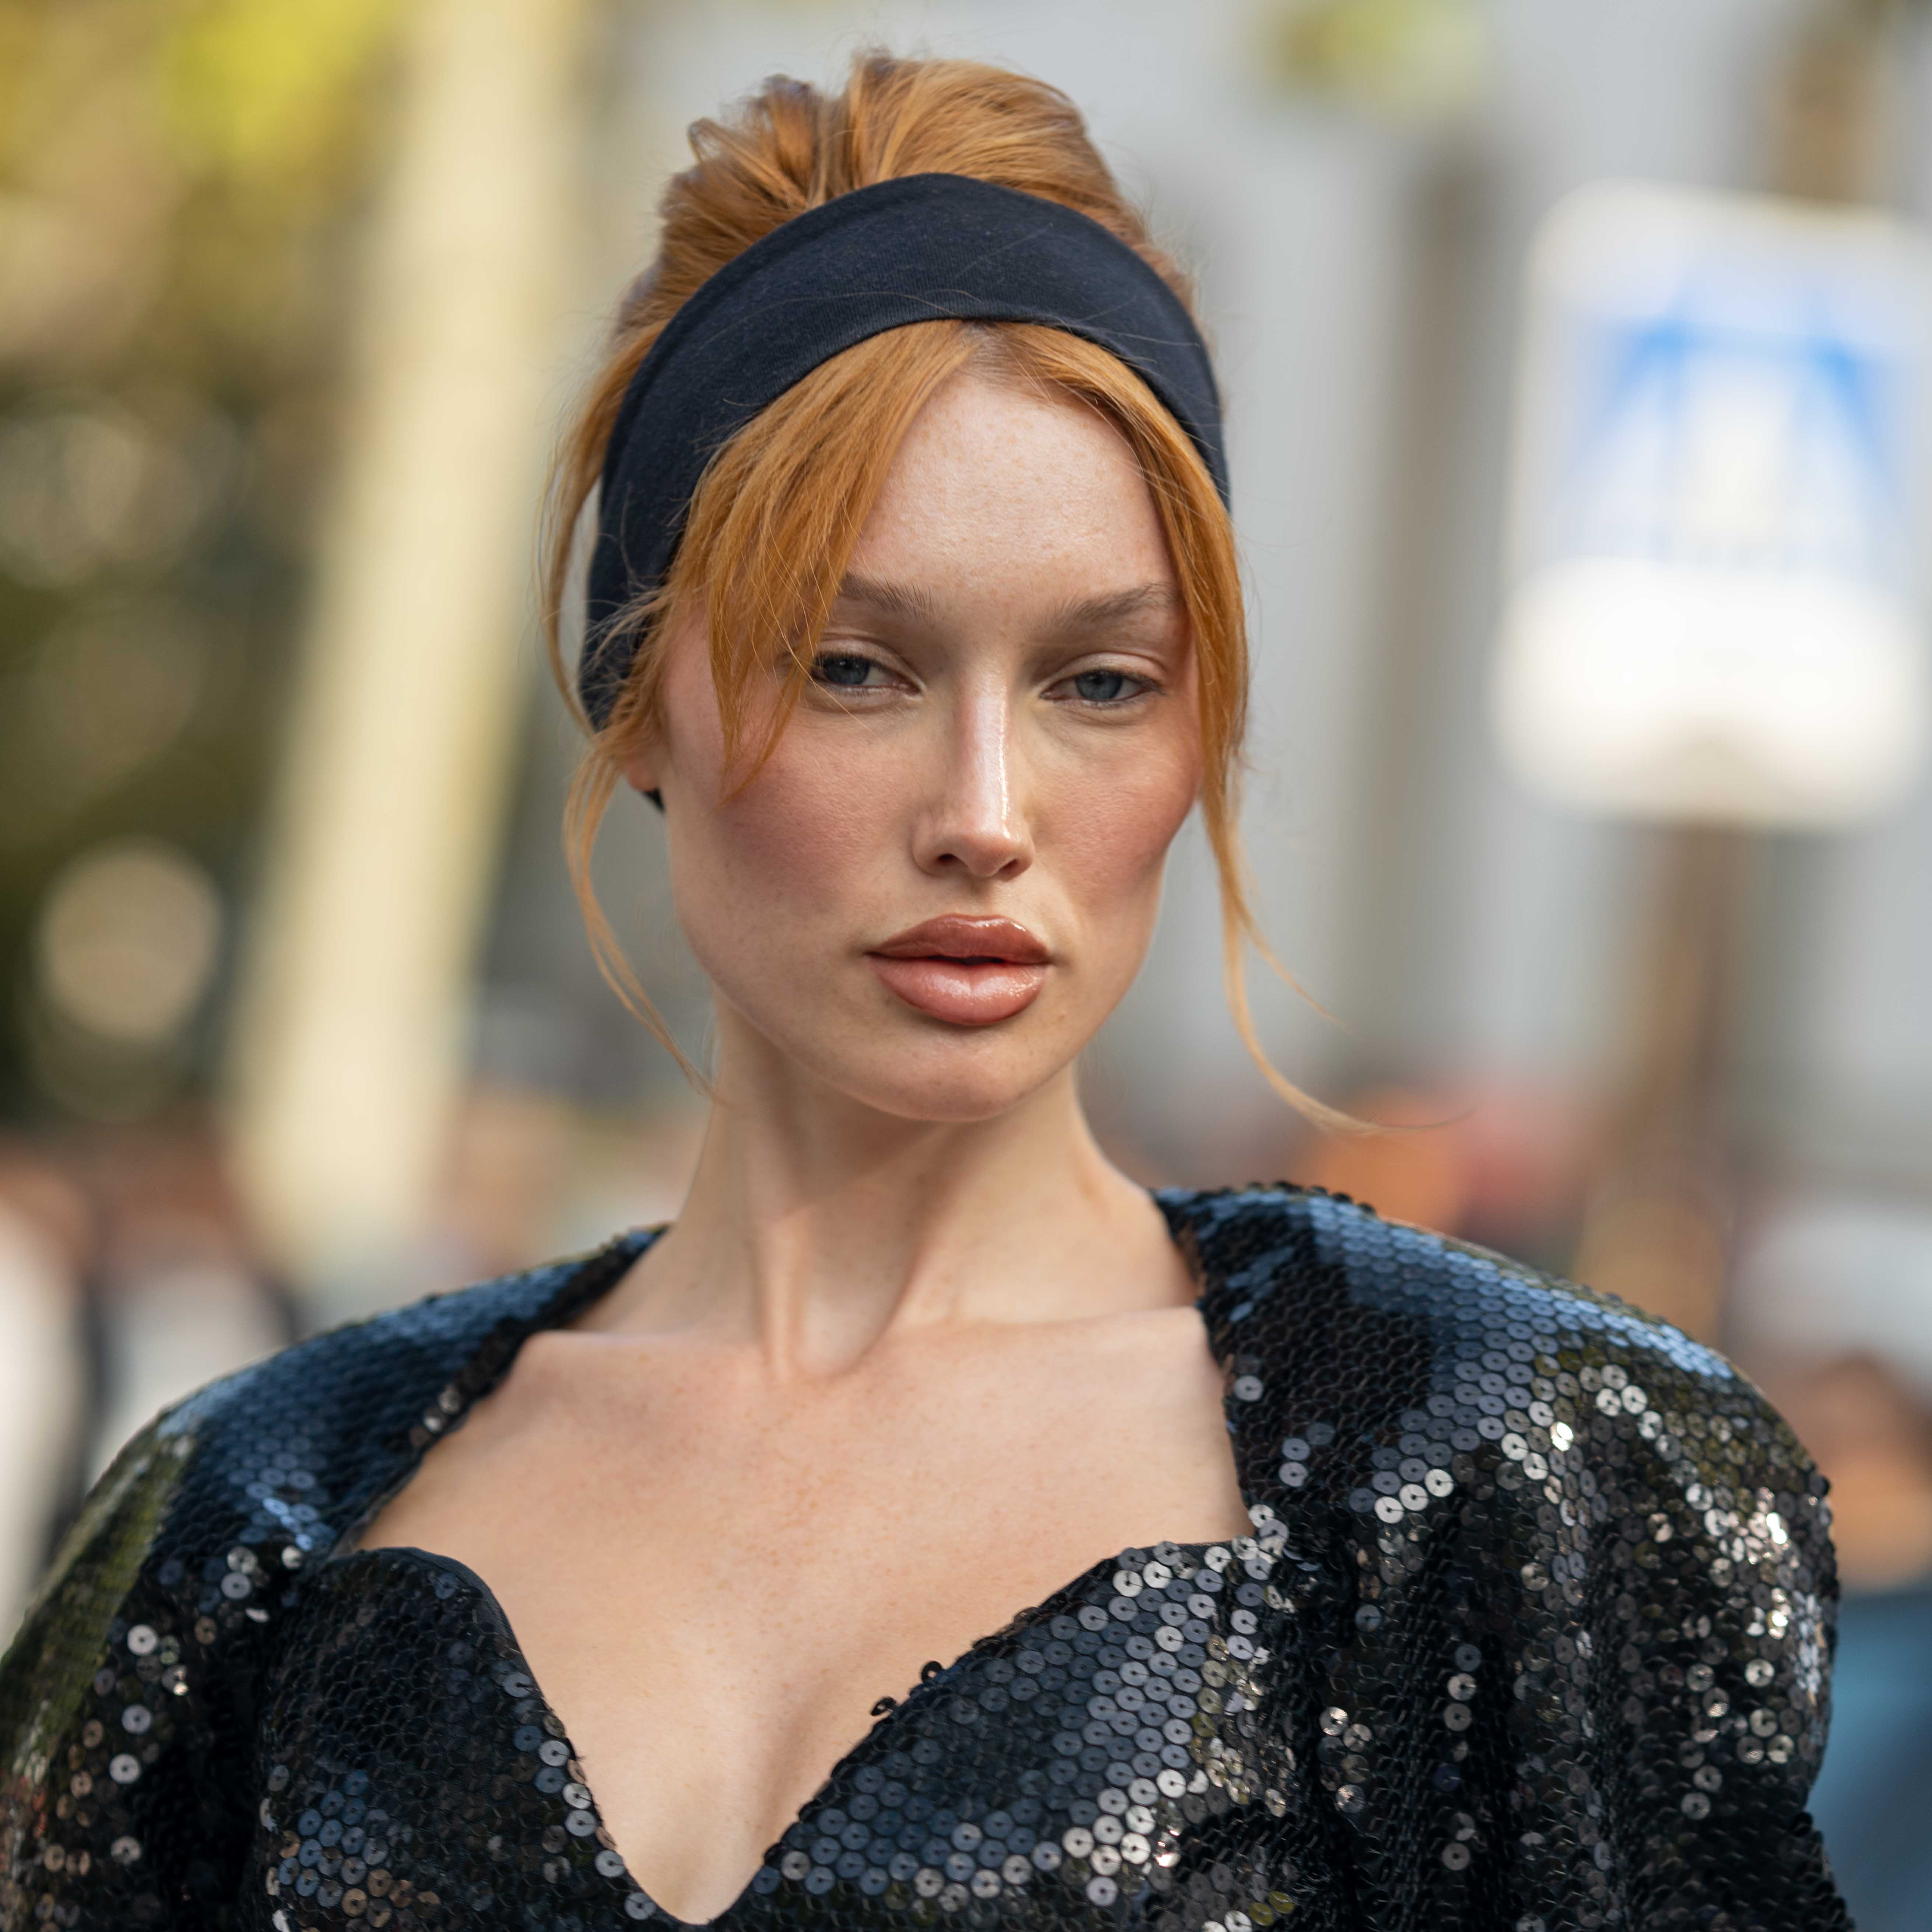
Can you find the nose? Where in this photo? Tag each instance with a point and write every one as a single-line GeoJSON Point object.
{"type": "Point", "coordinates": [974, 824]}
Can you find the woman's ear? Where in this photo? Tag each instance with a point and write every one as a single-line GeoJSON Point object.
{"type": "Point", "coordinates": [640, 765]}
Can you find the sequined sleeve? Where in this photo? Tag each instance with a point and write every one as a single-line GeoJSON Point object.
{"type": "Point", "coordinates": [1599, 1661]}
{"type": "Point", "coordinates": [1712, 1622]}
{"type": "Point", "coordinates": [1568, 1593]}
{"type": "Point", "coordinates": [132, 1702]}
{"type": "Point", "coordinates": [113, 1812]}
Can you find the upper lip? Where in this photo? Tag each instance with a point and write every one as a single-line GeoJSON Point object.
{"type": "Point", "coordinates": [961, 936]}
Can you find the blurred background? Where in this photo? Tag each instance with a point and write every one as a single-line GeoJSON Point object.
{"type": "Point", "coordinates": [1577, 360]}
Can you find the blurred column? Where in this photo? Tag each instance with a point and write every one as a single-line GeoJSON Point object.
{"type": "Point", "coordinates": [1656, 1228]}
{"type": "Point", "coordinates": [347, 1054]}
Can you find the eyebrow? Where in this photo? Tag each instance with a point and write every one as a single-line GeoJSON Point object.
{"type": "Point", "coordinates": [891, 600]}
{"type": "Point", "coordinates": [1073, 619]}
{"type": "Point", "coordinates": [1098, 613]}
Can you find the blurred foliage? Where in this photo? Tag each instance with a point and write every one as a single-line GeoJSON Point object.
{"type": "Point", "coordinates": [1408, 59]}
{"type": "Point", "coordinates": [181, 185]}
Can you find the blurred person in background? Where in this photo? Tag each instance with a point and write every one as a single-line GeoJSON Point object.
{"type": "Point", "coordinates": [46, 1244]}
{"type": "Point", "coordinates": [1864, 1424]}
{"type": "Point", "coordinates": [1865, 1421]}
{"type": "Point", "coordinates": [1374, 1580]}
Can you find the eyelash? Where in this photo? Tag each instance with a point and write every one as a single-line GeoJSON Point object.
{"type": "Point", "coordinates": [1145, 687]}
{"type": "Point", "coordinates": [825, 658]}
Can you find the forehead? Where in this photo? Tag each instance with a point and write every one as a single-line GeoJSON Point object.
{"type": "Point", "coordinates": [1000, 486]}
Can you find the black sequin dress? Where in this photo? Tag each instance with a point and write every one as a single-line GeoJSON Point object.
{"type": "Point", "coordinates": [1533, 1633]}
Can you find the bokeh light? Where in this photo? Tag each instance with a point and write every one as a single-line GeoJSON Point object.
{"type": "Point", "coordinates": [128, 940]}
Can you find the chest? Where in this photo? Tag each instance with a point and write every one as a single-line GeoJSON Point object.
{"type": "Point", "coordinates": [719, 1583]}
{"type": "Point", "coordinates": [617, 1498]}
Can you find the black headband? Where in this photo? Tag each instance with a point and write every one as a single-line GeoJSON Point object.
{"type": "Point", "coordinates": [920, 248]}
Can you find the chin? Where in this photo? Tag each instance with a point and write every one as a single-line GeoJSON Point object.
{"type": "Point", "coordinates": [956, 1078]}
{"type": "Point", "coordinates": [881, 1054]}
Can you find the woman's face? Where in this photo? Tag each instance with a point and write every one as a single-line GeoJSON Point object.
{"type": "Point", "coordinates": [945, 875]}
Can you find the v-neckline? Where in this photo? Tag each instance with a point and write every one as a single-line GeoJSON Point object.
{"type": "Point", "coordinates": [570, 1301]}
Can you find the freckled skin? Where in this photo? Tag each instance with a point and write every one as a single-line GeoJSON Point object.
{"type": "Point", "coordinates": [977, 795]}
{"type": "Point", "coordinates": [913, 1355]}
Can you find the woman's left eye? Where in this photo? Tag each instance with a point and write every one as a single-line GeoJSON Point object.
{"type": "Point", "coordinates": [1106, 687]}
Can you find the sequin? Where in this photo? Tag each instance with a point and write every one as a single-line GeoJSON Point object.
{"type": "Point", "coordinates": [1532, 1630]}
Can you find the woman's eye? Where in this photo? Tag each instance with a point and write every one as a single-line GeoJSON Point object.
{"type": "Point", "coordinates": [843, 671]}
{"type": "Point", "coordinates": [1106, 687]}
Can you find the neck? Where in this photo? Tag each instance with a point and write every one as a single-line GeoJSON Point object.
{"type": "Point", "coordinates": [816, 1227]}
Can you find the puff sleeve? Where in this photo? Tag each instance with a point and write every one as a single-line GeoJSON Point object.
{"type": "Point", "coordinates": [1715, 1623]}
{"type": "Point", "coordinates": [1566, 1641]}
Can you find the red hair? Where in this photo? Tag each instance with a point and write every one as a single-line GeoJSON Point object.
{"type": "Point", "coordinates": [781, 506]}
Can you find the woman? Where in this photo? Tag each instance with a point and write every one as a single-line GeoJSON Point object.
{"type": "Point", "coordinates": [1376, 1581]}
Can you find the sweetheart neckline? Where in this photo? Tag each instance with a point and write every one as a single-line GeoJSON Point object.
{"type": "Point", "coordinates": [586, 1285]}
{"type": "Point", "coordinates": [491, 1605]}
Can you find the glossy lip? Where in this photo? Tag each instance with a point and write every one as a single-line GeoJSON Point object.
{"type": "Point", "coordinates": [967, 970]}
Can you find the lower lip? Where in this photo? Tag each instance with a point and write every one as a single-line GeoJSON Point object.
{"type": "Point", "coordinates": [961, 993]}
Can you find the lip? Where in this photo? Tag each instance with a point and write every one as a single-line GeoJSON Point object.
{"type": "Point", "coordinates": [966, 970]}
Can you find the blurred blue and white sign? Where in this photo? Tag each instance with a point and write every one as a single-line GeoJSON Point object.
{"type": "Point", "coordinates": [1718, 562]}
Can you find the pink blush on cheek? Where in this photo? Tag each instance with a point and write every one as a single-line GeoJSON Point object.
{"type": "Point", "coordinates": [775, 885]}
{"type": "Point", "coordinates": [818, 813]}
{"type": "Point", "coordinates": [1111, 841]}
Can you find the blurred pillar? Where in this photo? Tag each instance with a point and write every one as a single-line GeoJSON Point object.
{"type": "Point", "coordinates": [1830, 109]}
{"type": "Point", "coordinates": [351, 1025]}
{"type": "Point", "coordinates": [1392, 971]}
{"type": "Point", "coordinates": [1658, 1229]}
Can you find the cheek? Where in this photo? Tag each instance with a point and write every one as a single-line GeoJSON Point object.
{"type": "Point", "coordinates": [791, 854]}
{"type": "Point", "coordinates": [1115, 842]}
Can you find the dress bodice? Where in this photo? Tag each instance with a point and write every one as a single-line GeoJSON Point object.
{"type": "Point", "coordinates": [1533, 1630]}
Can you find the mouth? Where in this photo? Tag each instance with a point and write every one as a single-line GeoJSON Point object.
{"type": "Point", "coordinates": [966, 971]}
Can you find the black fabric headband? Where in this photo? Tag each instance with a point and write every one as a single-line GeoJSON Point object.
{"type": "Point", "coordinates": [920, 248]}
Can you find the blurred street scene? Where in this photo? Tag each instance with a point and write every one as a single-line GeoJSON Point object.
{"type": "Point", "coordinates": [1578, 364]}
